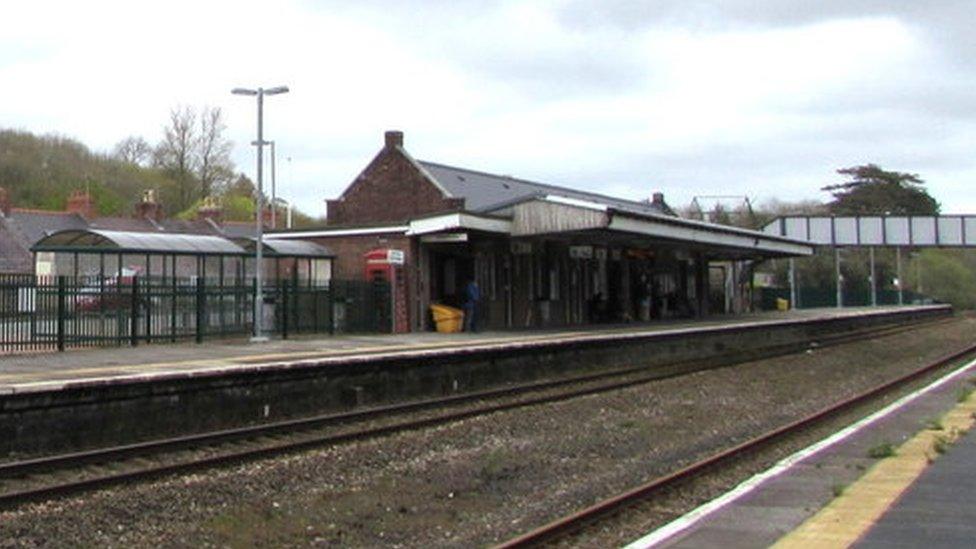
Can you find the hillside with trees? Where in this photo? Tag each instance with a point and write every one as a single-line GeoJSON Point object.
{"type": "Point", "coordinates": [191, 162]}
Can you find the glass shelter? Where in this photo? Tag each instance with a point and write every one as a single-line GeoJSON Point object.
{"type": "Point", "coordinates": [95, 253]}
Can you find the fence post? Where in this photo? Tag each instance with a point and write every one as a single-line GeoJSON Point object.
{"type": "Point", "coordinates": [134, 313]}
{"type": "Point", "coordinates": [201, 304]}
{"type": "Point", "coordinates": [61, 312]}
{"type": "Point", "coordinates": [147, 305]}
{"type": "Point", "coordinates": [283, 296]}
{"type": "Point", "coordinates": [330, 307]}
{"type": "Point", "coordinates": [174, 302]}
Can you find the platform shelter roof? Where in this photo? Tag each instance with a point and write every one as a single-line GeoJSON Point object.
{"type": "Point", "coordinates": [277, 247]}
{"type": "Point", "coordinates": [99, 240]}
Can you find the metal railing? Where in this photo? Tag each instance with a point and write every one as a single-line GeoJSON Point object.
{"type": "Point", "coordinates": [59, 313]}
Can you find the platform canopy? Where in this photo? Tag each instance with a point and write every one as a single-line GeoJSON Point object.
{"type": "Point", "coordinates": [95, 240]}
{"type": "Point", "coordinates": [559, 215]}
{"type": "Point", "coordinates": [878, 230]}
{"type": "Point", "coordinates": [278, 247]}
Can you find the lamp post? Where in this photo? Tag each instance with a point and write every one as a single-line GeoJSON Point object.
{"type": "Point", "coordinates": [274, 188]}
{"type": "Point", "coordinates": [259, 222]}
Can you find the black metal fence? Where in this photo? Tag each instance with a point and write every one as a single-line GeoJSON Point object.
{"type": "Point", "coordinates": [58, 313]}
{"type": "Point", "coordinates": [827, 297]}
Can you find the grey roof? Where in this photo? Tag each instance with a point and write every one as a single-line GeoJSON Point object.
{"type": "Point", "coordinates": [14, 256]}
{"type": "Point", "coordinates": [239, 229]}
{"type": "Point", "coordinates": [484, 192]}
{"type": "Point", "coordinates": [125, 241]}
{"type": "Point", "coordinates": [33, 225]}
{"type": "Point", "coordinates": [292, 248]}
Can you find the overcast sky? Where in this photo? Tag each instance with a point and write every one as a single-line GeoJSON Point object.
{"type": "Point", "coordinates": [764, 98]}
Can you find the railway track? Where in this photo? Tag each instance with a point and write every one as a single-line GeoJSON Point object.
{"type": "Point", "coordinates": [563, 529]}
{"type": "Point", "coordinates": [57, 476]}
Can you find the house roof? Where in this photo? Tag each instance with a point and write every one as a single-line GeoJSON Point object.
{"type": "Point", "coordinates": [32, 225]}
{"type": "Point", "coordinates": [14, 257]}
{"type": "Point", "coordinates": [485, 192]}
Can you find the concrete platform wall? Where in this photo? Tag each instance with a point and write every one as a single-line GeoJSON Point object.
{"type": "Point", "coordinates": [101, 413]}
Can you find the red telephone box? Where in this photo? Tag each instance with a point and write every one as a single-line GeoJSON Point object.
{"type": "Point", "coordinates": [386, 264]}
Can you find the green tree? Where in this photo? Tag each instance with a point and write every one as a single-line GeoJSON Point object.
{"type": "Point", "coordinates": [946, 275]}
{"type": "Point", "coordinates": [872, 190]}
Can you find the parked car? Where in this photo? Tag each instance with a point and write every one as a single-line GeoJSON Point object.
{"type": "Point", "coordinates": [106, 296]}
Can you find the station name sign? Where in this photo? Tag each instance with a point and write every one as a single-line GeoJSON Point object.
{"type": "Point", "coordinates": [444, 238]}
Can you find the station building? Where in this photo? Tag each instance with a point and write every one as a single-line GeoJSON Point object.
{"type": "Point", "coordinates": [542, 255]}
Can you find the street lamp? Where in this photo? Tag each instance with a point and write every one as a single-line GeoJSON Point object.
{"type": "Point", "coordinates": [274, 188]}
{"type": "Point", "coordinates": [259, 253]}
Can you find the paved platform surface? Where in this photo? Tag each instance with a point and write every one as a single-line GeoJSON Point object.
{"type": "Point", "coordinates": [938, 511]}
{"type": "Point", "coordinates": [17, 371]}
{"type": "Point", "coordinates": [804, 505]}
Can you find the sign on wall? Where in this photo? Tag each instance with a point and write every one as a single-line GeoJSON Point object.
{"type": "Point", "coordinates": [581, 252]}
{"type": "Point", "coordinates": [395, 257]}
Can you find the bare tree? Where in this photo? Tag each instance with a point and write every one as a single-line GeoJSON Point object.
{"type": "Point", "coordinates": [134, 150]}
{"type": "Point", "coordinates": [214, 167]}
{"type": "Point", "coordinates": [176, 153]}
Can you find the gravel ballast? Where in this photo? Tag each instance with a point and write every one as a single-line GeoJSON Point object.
{"type": "Point", "coordinates": [480, 480]}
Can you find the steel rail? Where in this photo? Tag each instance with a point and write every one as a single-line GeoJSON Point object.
{"type": "Point", "coordinates": [22, 467]}
{"type": "Point", "coordinates": [189, 442]}
{"type": "Point", "coordinates": [580, 519]}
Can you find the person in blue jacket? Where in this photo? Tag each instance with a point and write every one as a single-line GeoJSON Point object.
{"type": "Point", "coordinates": [472, 295]}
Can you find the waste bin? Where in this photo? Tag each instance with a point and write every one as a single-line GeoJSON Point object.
{"type": "Point", "coordinates": [782, 304]}
{"type": "Point", "coordinates": [447, 319]}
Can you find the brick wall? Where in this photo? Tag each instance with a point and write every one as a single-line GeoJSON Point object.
{"type": "Point", "coordinates": [390, 189]}
{"type": "Point", "coordinates": [349, 265]}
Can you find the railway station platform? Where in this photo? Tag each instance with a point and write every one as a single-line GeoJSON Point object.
{"type": "Point", "coordinates": [835, 494]}
{"type": "Point", "coordinates": [46, 371]}
{"type": "Point", "coordinates": [58, 401]}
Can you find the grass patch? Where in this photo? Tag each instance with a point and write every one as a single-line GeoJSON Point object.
{"type": "Point", "coordinates": [964, 394]}
{"type": "Point", "coordinates": [839, 489]}
{"type": "Point", "coordinates": [497, 465]}
{"type": "Point", "coordinates": [628, 424]}
{"type": "Point", "coordinates": [941, 444]}
{"type": "Point", "coordinates": [934, 425]}
{"type": "Point", "coordinates": [880, 451]}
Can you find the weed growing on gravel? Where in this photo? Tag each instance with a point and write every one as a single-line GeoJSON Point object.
{"type": "Point", "coordinates": [965, 393]}
{"type": "Point", "coordinates": [839, 489]}
{"type": "Point", "coordinates": [628, 424]}
{"type": "Point", "coordinates": [934, 425]}
{"type": "Point", "coordinates": [883, 450]}
{"type": "Point", "coordinates": [941, 444]}
{"type": "Point", "coordinates": [497, 466]}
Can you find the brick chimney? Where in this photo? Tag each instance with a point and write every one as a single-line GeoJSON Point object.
{"type": "Point", "coordinates": [657, 199]}
{"type": "Point", "coordinates": [149, 207]}
{"type": "Point", "coordinates": [81, 203]}
{"type": "Point", "coordinates": [210, 209]}
{"type": "Point", "coordinates": [394, 138]}
{"type": "Point", "coordinates": [5, 203]}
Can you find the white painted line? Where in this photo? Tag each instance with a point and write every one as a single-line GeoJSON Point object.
{"type": "Point", "coordinates": [688, 520]}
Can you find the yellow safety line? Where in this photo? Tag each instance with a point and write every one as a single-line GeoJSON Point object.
{"type": "Point", "coordinates": [858, 508]}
